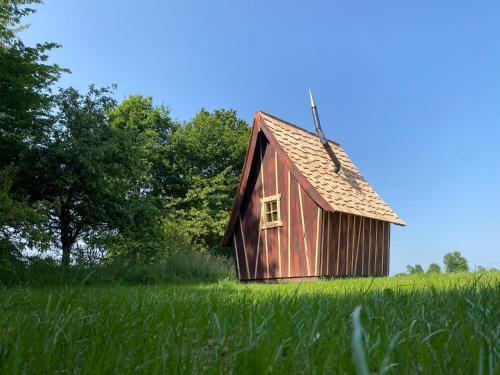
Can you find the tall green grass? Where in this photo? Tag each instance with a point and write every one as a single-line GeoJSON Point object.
{"type": "Point", "coordinates": [406, 325]}
{"type": "Point", "coordinates": [176, 267]}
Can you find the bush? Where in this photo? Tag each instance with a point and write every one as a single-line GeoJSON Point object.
{"type": "Point", "coordinates": [177, 267]}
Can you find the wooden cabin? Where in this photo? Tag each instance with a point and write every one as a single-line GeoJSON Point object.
{"type": "Point", "coordinates": [295, 217]}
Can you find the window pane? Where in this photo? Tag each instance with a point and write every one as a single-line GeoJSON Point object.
{"type": "Point", "coordinates": [270, 211]}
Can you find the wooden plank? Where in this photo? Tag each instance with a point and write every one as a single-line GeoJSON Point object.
{"type": "Point", "coordinates": [262, 196]}
{"type": "Point", "coordinates": [338, 243]}
{"type": "Point", "coordinates": [298, 259]}
{"type": "Point", "coordinates": [311, 219]}
{"type": "Point", "coordinates": [361, 220]}
{"type": "Point", "coordinates": [244, 246]}
{"type": "Point", "coordinates": [304, 233]}
{"type": "Point", "coordinates": [269, 160]}
{"type": "Point", "coordinates": [388, 247]}
{"type": "Point", "coordinates": [322, 245]}
{"type": "Point", "coordinates": [236, 256]}
{"type": "Point", "coordinates": [317, 242]}
{"type": "Point", "coordinates": [283, 230]}
{"type": "Point", "coordinates": [370, 249]}
{"type": "Point", "coordinates": [353, 247]}
{"type": "Point", "coordinates": [383, 249]}
{"type": "Point", "coordinates": [289, 224]}
{"type": "Point", "coordinates": [278, 228]}
{"type": "Point", "coordinates": [257, 257]}
{"type": "Point", "coordinates": [363, 250]}
{"type": "Point", "coordinates": [376, 249]}
{"type": "Point", "coordinates": [250, 211]}
{"type": "Point", "coordinates": [247, 166]}
{"type": "Point", "coordinates": [328, 246]}
{"type": "Point", "coordinates": [346, 254]}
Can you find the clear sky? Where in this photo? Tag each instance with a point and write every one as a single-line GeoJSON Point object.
{"type": "Point", "coordinates": [411, 89]}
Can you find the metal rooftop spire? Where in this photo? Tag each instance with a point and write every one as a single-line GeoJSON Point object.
{"type": "Point", "coordinates": [321, 135]}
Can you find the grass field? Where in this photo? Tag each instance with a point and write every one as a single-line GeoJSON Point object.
{"type": "Point", "coordinates": [415, 324]}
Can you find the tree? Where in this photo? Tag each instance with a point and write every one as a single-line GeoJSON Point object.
{"type": "Point", "coordinates": [415, 269]}
{"type": "Point", "coordinates": [148, 130]}
{"type": "Point", "coordinates": [25, 102]}
{"type": "Point", "coordinates": [81, 169]}
{"type": "Point", "coordinates": [206, 156]}
{"type": "Point", "coordinates": [25, 83]}
{"type": "Point", "coordinates": [434, 268]}
{"type": "Point", "coordinates": [455, 262]}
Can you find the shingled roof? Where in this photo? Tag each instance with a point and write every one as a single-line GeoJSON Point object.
{"type": "Point", "coordinates": [346, 191]}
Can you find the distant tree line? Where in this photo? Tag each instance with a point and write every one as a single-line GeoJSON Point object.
{"type": "Point", "coordinates": [93, 179]}
{"type": "Point", "coordinates": [453, 262]}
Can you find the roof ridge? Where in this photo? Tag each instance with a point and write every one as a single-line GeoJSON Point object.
{"type": "Point", "coordinates": [297, 126]}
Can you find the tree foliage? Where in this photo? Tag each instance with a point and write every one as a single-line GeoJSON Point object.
{"type": "Point", "coordinates": [414, 269]}
{"type": "Point", "coordinates": [78, 171]}
{"type": "Point", "coordinates": [434, 268]}
{"type": "Point", "coordinates": [455, 262]}
{"type": "Point", "coordinates": [26, 80]}
{"type": "Point", "coordinates": [148, 130]}
{"type": "Point", "coordinates": [206, 156]}
{"type": "Point", "coordinates": [99, 180]}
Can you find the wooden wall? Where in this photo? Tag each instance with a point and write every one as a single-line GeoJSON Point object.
{"type": "Point", "coordinates": [355, 245]}
{"type": "Point", "coordinates": [291, 250]}
{"type": "Point", "coordinates": [311, 242]}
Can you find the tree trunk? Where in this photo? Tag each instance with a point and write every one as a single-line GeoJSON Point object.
{"type": "Point", "coordinates": [66, 252]}
{"type": "Point", "coordinates": [66, 241]}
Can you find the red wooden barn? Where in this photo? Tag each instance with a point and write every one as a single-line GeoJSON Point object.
{"type": "Point", "coordinates": [296, 216]}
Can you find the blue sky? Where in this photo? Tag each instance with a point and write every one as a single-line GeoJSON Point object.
{"type": "Point", "coordinates": [410, 89]}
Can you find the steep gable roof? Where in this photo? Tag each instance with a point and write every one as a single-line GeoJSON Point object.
{"type": "Point", "coordinates": [346, 191]}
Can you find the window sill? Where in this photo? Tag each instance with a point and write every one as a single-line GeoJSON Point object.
{"type": "Point", "coordinates": [273, 224]}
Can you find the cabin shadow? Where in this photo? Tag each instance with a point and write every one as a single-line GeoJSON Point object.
{"type": "Point", "coordinates": [352, 177]}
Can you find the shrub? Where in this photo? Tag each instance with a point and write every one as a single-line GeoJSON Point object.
{"type": "Point", "coordinates": [177, 267]}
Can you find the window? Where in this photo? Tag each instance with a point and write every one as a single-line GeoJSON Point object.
{"type": "Point", "coordinates": [270, 212]}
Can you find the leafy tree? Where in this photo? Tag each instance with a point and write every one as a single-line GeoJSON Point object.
{"type": "Point", "coordinates": [206, 156]}
{"type": "Point", "coordinates": [434, 268]}
{"type": "Point", "coordinates": [25, 102]}
{"type": "Point", "coordinates": [25, 84]}
{"type": "Point", "coordinates": [148, 130]}
{"type": "Point", "coordinates": [80, 171]}
{"type": "Point", "coordinates": [455, 262]}
{"type": "Point", "coordinates": [415, 269]}
{"type": "Point", "coordinates": [480, 269]}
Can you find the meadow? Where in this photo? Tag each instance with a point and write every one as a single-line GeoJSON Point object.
{"type": "Point", "coordinates": [408, 324]}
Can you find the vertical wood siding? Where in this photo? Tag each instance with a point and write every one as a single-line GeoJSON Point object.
{"type": "Point", "coordinates": [291, 250]}
{"type": "Point", "coordinates": [311, 242]}
{"type": "Point", "coordinates": [354, 245]}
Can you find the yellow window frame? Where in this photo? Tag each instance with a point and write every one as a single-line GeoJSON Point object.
{"type": "Point", "coordinates": [270, 212]}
